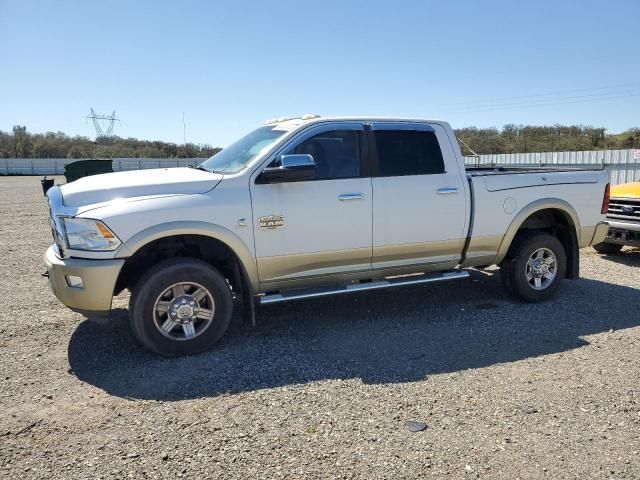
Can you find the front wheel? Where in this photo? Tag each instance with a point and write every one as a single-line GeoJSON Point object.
{"type": "Point", "coordinates": [534, 267]}
{"type": "Point", "coordinates": [180, 306]}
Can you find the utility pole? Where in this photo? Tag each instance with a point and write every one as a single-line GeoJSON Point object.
{"type": "Point", "coordinates": [184, 130]}
{"type": "Point", "coordinates": [109, 119]}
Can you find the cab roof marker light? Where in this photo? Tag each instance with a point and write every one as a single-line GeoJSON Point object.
{"type": "Point", "coordinates": [308, 116]}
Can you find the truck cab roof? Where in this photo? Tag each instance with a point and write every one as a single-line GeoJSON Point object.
{"type": "Point", "coordinates": [289, 123]}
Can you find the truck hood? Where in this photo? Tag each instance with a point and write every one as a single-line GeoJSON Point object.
{"type": "Point", "coordinates": [137, 183]}
{"type": "Point", "coordinates": [626, 190]}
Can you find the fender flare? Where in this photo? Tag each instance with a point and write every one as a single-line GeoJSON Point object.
{"type": "Point", "coordinates": [537, 205]}
{"type": "Point", "coordinates": [222, 234]}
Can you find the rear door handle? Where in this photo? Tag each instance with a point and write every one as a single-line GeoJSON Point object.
{"type": "Point", "coordinates": [447, 190]}
{"type": "Point", "coordinates": [345, 197]}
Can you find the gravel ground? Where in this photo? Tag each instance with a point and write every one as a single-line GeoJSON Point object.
{"type": "Point", "coordinates": [323, 388]}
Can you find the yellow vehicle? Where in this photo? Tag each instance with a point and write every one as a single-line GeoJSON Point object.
{"type": "Point", "coordinates": [623, 217]}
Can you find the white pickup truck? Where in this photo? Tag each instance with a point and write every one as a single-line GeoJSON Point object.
{"type": "Point", "coordinates": [308, 207]}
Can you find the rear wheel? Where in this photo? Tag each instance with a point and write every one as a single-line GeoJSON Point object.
{"type": "Point", "coordinates": [180, 307]}
{"type": "Point", "coordinates": [607, 248]}
{"type": "Point", "coordinates": [534, 267]}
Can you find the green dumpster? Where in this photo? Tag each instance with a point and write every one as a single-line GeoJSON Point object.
{"type": "Point", "coordinates": [85, 168]}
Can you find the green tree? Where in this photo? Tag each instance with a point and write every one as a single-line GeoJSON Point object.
{"type": "Point", "coordinates": [75, 152]}
{"type": "Point", "coordinates": [22, 146]}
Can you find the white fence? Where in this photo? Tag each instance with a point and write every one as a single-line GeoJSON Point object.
{"type": "Point", "coordinates": [55, 166]}
{"type": "Point", "coordinates": [597, 157]}
{"type": "Point", "coordinates": [623, 165]}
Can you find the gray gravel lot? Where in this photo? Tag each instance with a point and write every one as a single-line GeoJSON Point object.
{"type": "Point", "coordinates": [322, 388]}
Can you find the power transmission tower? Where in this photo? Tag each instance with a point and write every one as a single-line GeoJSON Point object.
{"type": "Point", "coordinates": [109, 120]}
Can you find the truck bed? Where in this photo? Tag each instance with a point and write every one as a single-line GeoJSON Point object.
{"type": "Point", "coordinates": [509, 178]}
{"type": "Point", "coordinates": [484, 170]}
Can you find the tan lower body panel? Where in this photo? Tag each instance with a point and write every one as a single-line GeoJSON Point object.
{"type": "Point", "coordinates": [367, 274]}
{"type": "Point", "coordinates": [392, 256]}
{"type": "Point", "coordinates": [482, 250]}
{"type": "Point", "coordinates": [299, 266]}
{"type": "Point", "coordinates": [323, 268]}
{"type": "Point", "coordinates": [593, 234]}
{"type": "Point", "coordinates": [586, 234]}
{"type": "Point", "coordinates": [599, 233]}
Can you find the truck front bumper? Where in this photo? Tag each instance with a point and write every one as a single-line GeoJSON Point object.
{"type": "Point", "coordinates": [85, 286]}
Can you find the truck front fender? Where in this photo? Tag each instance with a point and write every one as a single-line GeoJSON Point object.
{"type": "Point", "coordinates": [222, 234]}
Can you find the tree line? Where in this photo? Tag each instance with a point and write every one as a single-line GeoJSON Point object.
{"type": "Point", "coordinates": [19, 143]}
{"type": "Point", "coordinates": [557, 138]}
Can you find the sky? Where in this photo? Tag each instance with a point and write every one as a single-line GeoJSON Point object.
{"type": "Point", "coordinates": [229, 66]}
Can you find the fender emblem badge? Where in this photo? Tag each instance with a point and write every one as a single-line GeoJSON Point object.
{"type": "Point", "coordinates": [271, 222]}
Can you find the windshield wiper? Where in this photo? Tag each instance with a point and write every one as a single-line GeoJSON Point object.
{"type": "Point", "coordinates": [200, 167]}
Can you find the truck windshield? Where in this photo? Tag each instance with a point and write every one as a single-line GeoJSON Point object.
{"type": "Point", "coordinates": [238, 155]}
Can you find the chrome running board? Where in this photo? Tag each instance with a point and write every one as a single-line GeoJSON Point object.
{"type": "Point", "coordinates": [298, 294]}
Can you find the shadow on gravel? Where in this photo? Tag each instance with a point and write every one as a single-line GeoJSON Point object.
{"type": "Point", "coordinates": [630, 258]}
{"type": "Point", "coordinates": [387, 336]}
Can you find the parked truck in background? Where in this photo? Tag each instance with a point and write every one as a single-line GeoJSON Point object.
{"type": "Point", "coordinates": [623, 217]}
{"type": "Point", "coordinates": [309, 207]}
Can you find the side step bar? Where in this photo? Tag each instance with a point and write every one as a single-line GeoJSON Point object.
{"type": "Point", "coordinates": [361, 287]}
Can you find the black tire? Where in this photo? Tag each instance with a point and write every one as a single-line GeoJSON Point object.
{"type": "Point", "coordinates": [513, 267]}
{"type": "Point", "coordinates": [607, 248]}
{"type": "Point", "coordinates": [158, 279]}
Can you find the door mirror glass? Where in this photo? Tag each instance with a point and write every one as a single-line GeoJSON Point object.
{"type": "Point", "coordinates": [292, 168]}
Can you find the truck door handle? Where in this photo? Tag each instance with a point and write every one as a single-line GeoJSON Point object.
{"type": "Point", "coordinates": [345, 197]}
{"type": "Point", "coordinates": [447, 190]}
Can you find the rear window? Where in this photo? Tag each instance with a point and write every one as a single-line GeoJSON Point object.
{"type": "Point", "coordinates": [408, 152]}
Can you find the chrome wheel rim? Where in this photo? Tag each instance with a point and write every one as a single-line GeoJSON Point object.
{"type": "Point", "coordinates": [183, 311]}
{"type": "Point", "coordinates": [541, 269]}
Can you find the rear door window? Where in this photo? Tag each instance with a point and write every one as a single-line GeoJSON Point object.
{"type": "Point", "coordinates": [408, 152]}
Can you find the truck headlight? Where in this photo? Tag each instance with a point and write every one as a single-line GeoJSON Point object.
{"type": "Point", "coordinates": [88, 234]}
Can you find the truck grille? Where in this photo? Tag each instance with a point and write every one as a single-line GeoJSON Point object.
{"type": "Point", "coordinates": [624, 209]}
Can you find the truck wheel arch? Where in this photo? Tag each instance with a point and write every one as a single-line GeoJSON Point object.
{"type": "Point", "coordinates": [221, 237]}
{"type": "Point", "coordinates": [558, 209]}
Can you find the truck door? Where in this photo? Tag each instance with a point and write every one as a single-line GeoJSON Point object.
{"type": "Point", "coordinates": [419, 206]}
{"type": "Point", "coordinates": [321, 226]}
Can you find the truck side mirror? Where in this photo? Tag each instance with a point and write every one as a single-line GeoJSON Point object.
{"type": "Point", "coordinates": [292, 168]}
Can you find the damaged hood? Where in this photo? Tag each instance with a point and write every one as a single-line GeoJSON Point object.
{"type": "Point", "coordinates": [137, 183]}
